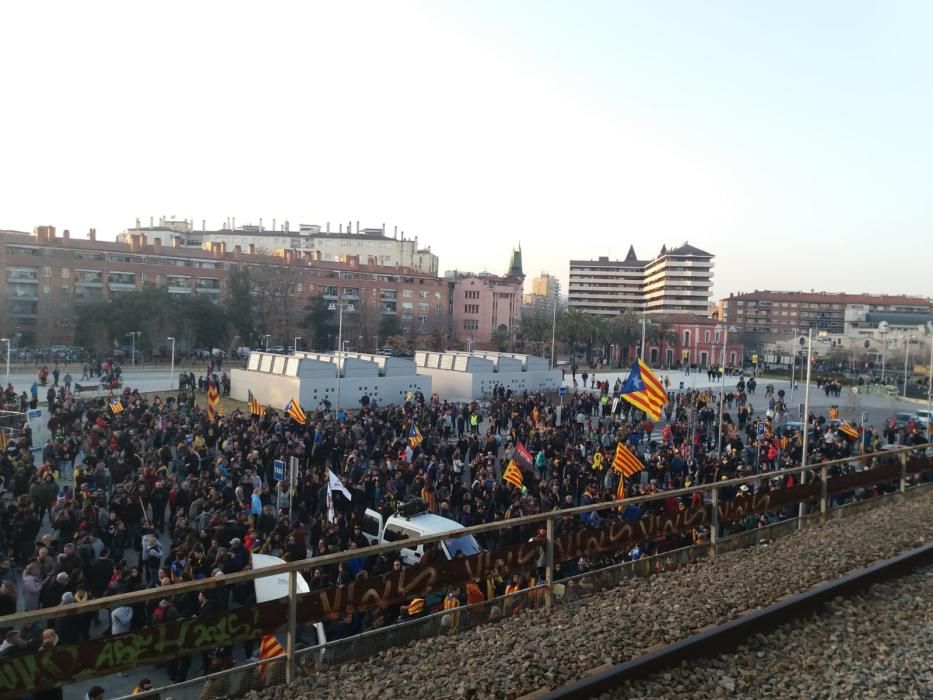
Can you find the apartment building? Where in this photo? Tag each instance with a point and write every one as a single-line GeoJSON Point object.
{"type": "Point", "coordinates": [48, 276]}
{"type": "Point", "coordinates": [765, 311]}
{"type": "Point", "coordinates": [483, 304]}
{"type": "Point", "coordinates": [545, 292]}
{"type": "Point", "coordinates": [677, 280]}
{"type": "Point", "coordinates": [370, 245]}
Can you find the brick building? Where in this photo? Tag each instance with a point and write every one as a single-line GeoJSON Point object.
{"type": "Point", "coordinates": [783, 312]}
{"type": "Point", "coordinates": [49, 276]}
{"type": "Point", "coordinates": [484, 304]}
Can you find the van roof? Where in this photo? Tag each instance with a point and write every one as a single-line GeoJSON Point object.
{"type": "Point", "coordinates": [430, 523]}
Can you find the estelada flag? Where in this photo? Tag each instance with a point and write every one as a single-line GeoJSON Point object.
{"type": "Point", "coordinates": [644, 390]}
{"type": "Point", "coordinates": [293, 409]}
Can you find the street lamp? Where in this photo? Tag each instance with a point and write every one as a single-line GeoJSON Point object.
{"type": "Point", "coordinates": [133, 335]}
{"type": "Point", "coordinates": [883, 330]}
{"type": "Point", "coordinates": [7, 341]}
{"type": "Point", "coordinates": [907, 339]}
{"type": "Point", "coordinates": [805, 426]}
{"type": "Point", "coordinates": [171, 381]}
{"type": "Point", "coordinates": [334, 306]}
{"type": "Point", "coordinates": [297, 338]}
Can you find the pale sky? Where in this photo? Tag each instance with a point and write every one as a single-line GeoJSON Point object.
{"type": "Point", "coordinates": [793, 140]}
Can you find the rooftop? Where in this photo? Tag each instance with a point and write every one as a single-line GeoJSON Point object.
{"type": "Point", "coordinates": [813, 297]}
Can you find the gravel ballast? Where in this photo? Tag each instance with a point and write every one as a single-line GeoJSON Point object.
{"type": "Point", "coordinates": [875, 645]}
{"type": "Point", "coordinates": [535, 651]}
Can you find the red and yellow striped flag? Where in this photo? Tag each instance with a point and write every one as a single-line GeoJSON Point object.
{"type": "Point", "coordinates": [625, 462]}
{"type": "Point", "coordinates": [513, 475]}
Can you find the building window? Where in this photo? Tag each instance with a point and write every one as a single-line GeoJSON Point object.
{"type": "Point", "coordinates": [471, 324]}
{"type": "Point", "coordinates": [407, 293]}
{"type": "Point", "coordinates": [471, 309]}
{"type": "Point", "coordinates": [65, 272]}
{"type": "Point", "coordinates": [299, 287]}
{"type": "Point", "coordinates": [66, 289]}
{"type": "Point", "coordinates": [422, 320]}
{"type": "Point", "coordinates": [686, 338]}
{"type": "Point", "coordinates": [705, 336]}
{"type": "Point", "coordinates": [424, 307]}
{"type": "Point", "coordinates": [46, 271]}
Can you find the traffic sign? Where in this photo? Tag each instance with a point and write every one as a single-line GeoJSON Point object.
{"type": "Point", "coordinates": [563, 391]}
{"type": "Point", "coordinates": [754, 359]}
{"type": "Point", "coordinates": [761, 430]}
{"type": "Point", "coordinates": [864, 417]}
{"type": "Point", "coordinates": [681, 385]}
{"type": "Point", "coordinates": [278, 469]}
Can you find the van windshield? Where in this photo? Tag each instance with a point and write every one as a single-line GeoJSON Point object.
{"type": "Point", "coordinates": [465, 545]}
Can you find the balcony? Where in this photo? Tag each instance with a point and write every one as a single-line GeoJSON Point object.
{"type": "Point", "coordinates": [89, 279]}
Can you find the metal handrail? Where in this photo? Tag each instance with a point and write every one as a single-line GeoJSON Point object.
{"type": "Point", "coordinates": [174, 589]}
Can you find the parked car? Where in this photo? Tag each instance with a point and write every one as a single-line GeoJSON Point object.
{"type": "Point", "coordinates": [901, 419]}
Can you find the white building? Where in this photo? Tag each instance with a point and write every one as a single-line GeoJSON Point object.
{"type": "Point", "coordinates": [678, 280]}
{"type": "Point", "coordinates": [371, 245]}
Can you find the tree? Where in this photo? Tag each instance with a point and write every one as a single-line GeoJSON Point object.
{"type": "Point", "coordinates": [660, 333]}
{"type": "Point", "coordinates": [319, 325]}
{"type": "Point", "coordinates": [239, 305]}
{"type": "Point", "coordinates": [623, 331]}
{"type": "Point", "coordinates": [500, 338]}
{"type": "Point", "coordinates": [389, 326]}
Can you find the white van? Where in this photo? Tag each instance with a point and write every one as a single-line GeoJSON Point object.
{"type": "Point", "coordinates": [413, 520]}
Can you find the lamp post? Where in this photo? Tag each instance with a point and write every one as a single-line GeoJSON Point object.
{"type": "Point", "coordinates": [554, 327]}
{"type": "Point", "coordinates": [7, 341]}
{"type": "Point", "coordinates": [929, 378]}
{"type": "Point", "coordinates": [297, 338]}
{"type": "Point", "coordinates": [266, 337]}
{"type": "Point", "coordinates": [793, 364]}
{"type": "Point", "coordinates": [171, 381]}
{"type": "Point", "coordinates": [133, 335]}
{"type": "Point", "coordinates": [335, 306]}
{"type": "Point", "coordinates": [805, 426]}
{"type": "Point", "coordinates": [883, 330]}
{"type": "Point", "coordinates": [644, 320]}
{"type": "Point", "coordinates": [907, 339]}
{"type": "Point", "coordinates": [722, 388]}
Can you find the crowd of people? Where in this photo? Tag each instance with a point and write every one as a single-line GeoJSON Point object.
{"type": "Point", "coordinates": [148, 492]}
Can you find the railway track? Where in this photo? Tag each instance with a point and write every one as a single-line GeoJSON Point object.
{"type": "Point", "coordinates": [656, 670]}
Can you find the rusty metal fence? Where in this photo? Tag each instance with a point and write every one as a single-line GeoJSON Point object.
{"type": "Point", "coordinates": [890, 470]}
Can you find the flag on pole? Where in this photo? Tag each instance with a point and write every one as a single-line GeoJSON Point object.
{"type": "Point", "coordinates": [644, 390]}
{"type": "Point", "coordinates": [523, 457]}
{"type": "Point", "coordinates": [269, 648]}
{"type": "Point", "coordinates": [849, 430]}
{"type": "Point", "coordinates": [213, 396]}
{"type": "Point", "coordinates": [293, 409]}
{"type": "Point", "coordinates": [513, 475]}
{"type": "Point", "coordinates": [620, 489]}
{"type": "Point", "coordinates": [115, 405]}
{"type": "Point", "coordinates": [335, 484]}
{"type": "Point", "coordinates": [4, 439]}
{"type": "Point", "coordinates": [625, 462]}
{"type": "Point", "coordinates": [254, 408]}
{"type": "Point", "coordinates": [414, 436]}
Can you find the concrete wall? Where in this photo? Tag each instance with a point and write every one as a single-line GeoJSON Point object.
{"type": "Point", "coordinates": [276, 390]}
